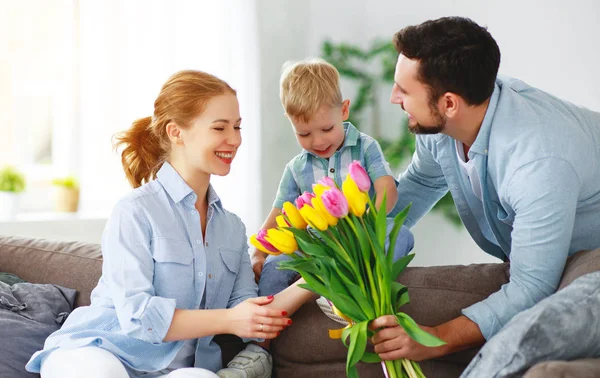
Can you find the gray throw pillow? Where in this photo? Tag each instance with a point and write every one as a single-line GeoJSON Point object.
{"type": "Point", "coordinates": [29, 313]}
{"type": "Point", "coordinates": [564, 326]}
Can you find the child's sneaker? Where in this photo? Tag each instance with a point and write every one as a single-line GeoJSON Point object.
{"type": "Point", "coordinates": [252, 362]}
{"type": "Point", "coordinates": [327, 309]}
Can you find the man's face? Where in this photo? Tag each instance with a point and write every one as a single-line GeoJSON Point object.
{"type": "Point", "coordinates": [415, 99]}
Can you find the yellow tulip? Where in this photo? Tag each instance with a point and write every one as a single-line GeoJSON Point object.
{"type": "Point", "coordinates": [314, 218]}
{"type": "Point", "coordinates": [258, 245]}
{"type": "Point", "coordinates": [282, 241]}
{"type": "Point", "coordinates": [318, 205]}
{"type": "Point", "coordinates": [318, 189]}
{"type": "Point", "coordinates": [294, 215]}
{"type": "Point", "coordinates": [283, 225]}
{"type": "Point", "coordinates": [357, 200]}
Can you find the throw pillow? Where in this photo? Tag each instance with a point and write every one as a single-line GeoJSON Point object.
{"type": "Point", "coordinates": [564, 326]}
{"type": "Point", "coordinates": [29, 313]}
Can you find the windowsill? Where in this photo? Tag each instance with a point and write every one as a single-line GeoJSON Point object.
{"type": "Point", "coordinates": [49, 216]}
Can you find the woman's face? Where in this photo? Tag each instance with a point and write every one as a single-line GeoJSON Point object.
{"type": "Point", "coordinates": [210, 143]}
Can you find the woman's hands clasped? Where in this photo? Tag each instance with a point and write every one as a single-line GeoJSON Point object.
{"type": "Point", "coordinates": [252, 319]}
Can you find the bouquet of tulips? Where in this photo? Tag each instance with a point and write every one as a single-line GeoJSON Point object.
{"type": "Point", "coordinates": [336, 238]}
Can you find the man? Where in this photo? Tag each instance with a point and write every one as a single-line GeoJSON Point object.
{"type": "Point", "coordinates": [521, 164]}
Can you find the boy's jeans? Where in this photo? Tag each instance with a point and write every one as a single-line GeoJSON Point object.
{"type": "Point", "coordinates": [273, 280]}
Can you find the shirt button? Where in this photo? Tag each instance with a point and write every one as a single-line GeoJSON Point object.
{"type": "Point", "coordinates": [485, 151]}
{"type": "Point", "coordinates": [199, 241]}
{"type": "Point", "coordinates": [206, 244]}
{"type": "Point", "coordinates": [192, 211]}
{"type": "Point", "coordinates": [149, 329]}
{"type": "Point", "coordinates": [200, 274]}
{"type": "Point", "coordinates": [332, 170]}
{"type": "Point", "coordinates": [210, 276]}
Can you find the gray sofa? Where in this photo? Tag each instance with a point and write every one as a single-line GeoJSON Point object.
{"type": "Point", "coordinates": [304, 349]}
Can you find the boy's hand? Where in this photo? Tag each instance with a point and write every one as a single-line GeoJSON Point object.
{"type": "Point", "coordinates": [258, 260]}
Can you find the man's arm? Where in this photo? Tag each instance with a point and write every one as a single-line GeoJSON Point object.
{"type": "Point", "coordinates": [422, 184]}
{"type": "Point", "coordinates": [387, 185]}
{"type": "Point", "coordinates": [543, 196]}
{"type": "Point", "coordinates": [392, 342]}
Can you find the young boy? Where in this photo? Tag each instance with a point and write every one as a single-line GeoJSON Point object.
{"type": "Point", "coordinates": [311, 96]}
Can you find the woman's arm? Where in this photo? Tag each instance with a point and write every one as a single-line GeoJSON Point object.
{"type": "Point", "coordinates": [292, 298]}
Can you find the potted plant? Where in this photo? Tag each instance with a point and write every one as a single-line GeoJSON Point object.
{"type": "Point", "coordinates": [67, 194]}
{"type": "Point", "coordinates": [12, 184]}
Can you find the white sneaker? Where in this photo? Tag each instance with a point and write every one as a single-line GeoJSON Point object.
{"type": "Point", "coordinates": [252, 362]}
{"type": "Point", "coordinates": [325, 306]}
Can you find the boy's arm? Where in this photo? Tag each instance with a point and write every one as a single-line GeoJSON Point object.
{"type": "Point", "coordinates": [387, 185]}
{"type": "Point", "coordinates": [257, 257]}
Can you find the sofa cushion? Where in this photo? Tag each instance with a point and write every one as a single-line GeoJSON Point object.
{"type": "Point", "coordinates": [28, 314]}
{"type": "Point", "coordinates": [586, 368]}
{"type": "Point", "coordinates": [70, 264]}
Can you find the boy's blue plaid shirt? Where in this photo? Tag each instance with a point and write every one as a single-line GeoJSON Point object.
{"type": "Point", "coordinates": [306, 169]}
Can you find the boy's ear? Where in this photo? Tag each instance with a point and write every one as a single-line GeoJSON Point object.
{"type": "Point", "coordinates": [345, 109]}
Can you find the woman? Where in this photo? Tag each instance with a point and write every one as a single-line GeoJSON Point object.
{"type": "Point", "coordinates": [175, 270]}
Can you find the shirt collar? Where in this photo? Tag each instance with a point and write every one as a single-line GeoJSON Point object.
{"type": "Point", "coordinates": [351, 136]}
{"type": "Point", "coordinates": [178, 189]}
{"type": "Point", "coordinates": [482, 141]}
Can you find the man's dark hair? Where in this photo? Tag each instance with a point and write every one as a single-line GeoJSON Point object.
{"type": "Point", "coordinates": [455, 55]}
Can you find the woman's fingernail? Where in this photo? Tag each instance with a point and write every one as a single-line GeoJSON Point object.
{"type": "Point", "coordinates": [270, 297]}
{"type": "Point", "coordinates": [284, 313]}
{"type": "Point", "coordinates": [290, 321]}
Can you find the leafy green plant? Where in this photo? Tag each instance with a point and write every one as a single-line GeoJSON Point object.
{"type": "Point", "coordinates": [68, 182]}
{"type": "Point", "coordinates": [11, 180]}
{"type": "Point", "coordinates": [372, 69]}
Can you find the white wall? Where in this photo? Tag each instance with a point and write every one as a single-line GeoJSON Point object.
{"type": "Point", "coordinates": [550, 44]}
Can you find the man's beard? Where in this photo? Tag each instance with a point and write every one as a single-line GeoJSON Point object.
{"type": "Point", "coordinates": [438, 126]}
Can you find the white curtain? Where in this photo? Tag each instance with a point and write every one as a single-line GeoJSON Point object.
{"type": "Point", "coordinates": [128, 49]}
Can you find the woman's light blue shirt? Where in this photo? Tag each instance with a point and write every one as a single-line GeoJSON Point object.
{"type": "Point", "coordinates": [155, 260]}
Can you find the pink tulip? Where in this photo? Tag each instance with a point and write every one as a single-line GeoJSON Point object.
{"type": "Point", "coordinates": [335, 202]}
{"type": "Point", "coordinates": [360, 176]}
{"type": "Point", "coordinates": [261, 239]}
{"type": "Point", "coordinates": [304, 199]}
{"type": "Point", "coordinates": [327, 181]}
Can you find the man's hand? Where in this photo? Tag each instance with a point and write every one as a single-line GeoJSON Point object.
{"type": "Point", "coordinates": [392, 342]}
{"type": "Point", "coordinates": [258, 260]}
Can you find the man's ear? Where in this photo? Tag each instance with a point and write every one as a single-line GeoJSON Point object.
{"type": "Point", "coordinates": [345, 109]}
{"type": "Point", "coordinates": [450, 104]}
{"type": "Point", "coordinates": [174, 133]}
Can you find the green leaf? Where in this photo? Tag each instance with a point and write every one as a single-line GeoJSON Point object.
{"type": "Point", "coordinates": [400, 264]}
{"type": "Point", "coordinates": [381, 222]}
{"type": "Point", "coordinates": [416, 333]}
{"type": "Point", "coordinates": [358, 344]}
{"type": "Point", "coordinates": [370, 357]}
{"type": "Point", "coordinates": [399, 295]}
{"type": "Point", "coordinates": [398, 222]}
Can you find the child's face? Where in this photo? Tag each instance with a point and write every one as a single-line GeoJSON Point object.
{"type": "Point", "coordinates": [323, 135]}
{"type": "Point", "coordinates": [210, 143]}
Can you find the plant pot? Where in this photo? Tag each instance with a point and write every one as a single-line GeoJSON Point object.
{"type": "Point", "coordinates": [67, 199]}
{"type": "Point", "coordinates": [9, 205]}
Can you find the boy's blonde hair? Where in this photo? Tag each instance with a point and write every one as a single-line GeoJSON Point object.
{"type": "Point", "coordinates": [307, 85]}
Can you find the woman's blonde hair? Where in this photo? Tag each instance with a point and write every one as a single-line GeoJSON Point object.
{"type": "Point", "coordinates": [146, 144]}
{"type": "Point", "coordinates": [307, 85]}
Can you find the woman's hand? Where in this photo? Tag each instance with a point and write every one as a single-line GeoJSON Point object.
{"type": "Point", "coordinates": [251, 319]}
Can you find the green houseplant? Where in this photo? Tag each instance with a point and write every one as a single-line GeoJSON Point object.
{"type": "Point", "coordinates": [67, 194]}
{"type": "Point", "coordinates": [12, 184]}
{"type": "Point", "coordinates": [371, 69]}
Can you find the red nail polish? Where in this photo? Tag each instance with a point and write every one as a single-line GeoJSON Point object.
{"type": "Point", "coordinates": [284, 313]}
{"type": "Point", "coordinates": [270, 297]}
{"type": "Point", "coordinates": [290, 321]}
